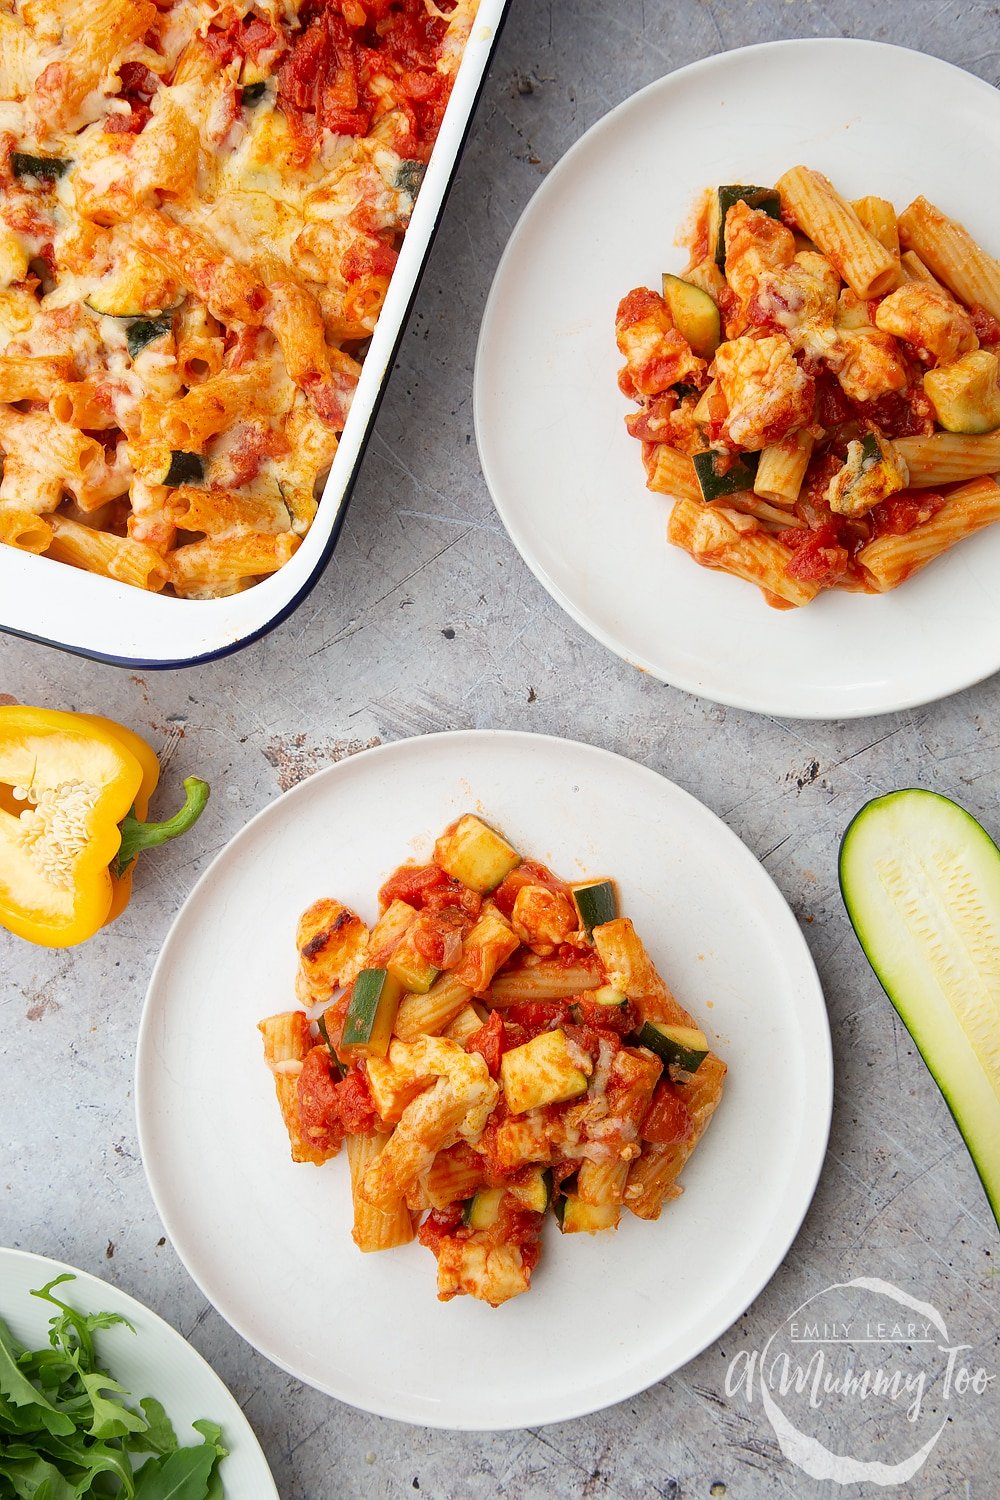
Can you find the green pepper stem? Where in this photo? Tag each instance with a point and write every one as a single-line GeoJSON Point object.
{"type": "Point", "coordinates": [138, 836]}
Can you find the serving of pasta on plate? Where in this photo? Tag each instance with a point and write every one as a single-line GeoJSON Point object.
{"type": "Point", "coordinates": [498, 1045]}
{"type": "Point", "coordinates": [201, 205]}
{"type": "Point", "coordinates": [819, 390]}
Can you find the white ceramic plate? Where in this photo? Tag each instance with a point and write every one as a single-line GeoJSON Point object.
{"type": "Point", "coordinates": [155, 1361]}
{"type": "Point", "coordinates": [566, 477]}
{"type": "Point", "coordinates": [269, 1242]}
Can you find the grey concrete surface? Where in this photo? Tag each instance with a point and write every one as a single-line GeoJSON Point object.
{"type": "Point", "coordinates": [427, 619]}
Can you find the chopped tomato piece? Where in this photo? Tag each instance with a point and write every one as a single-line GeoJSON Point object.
{"type": "Point", "coordinates": [668, 1120]}
{"type": "Point", "coordinates": [818, 556]}
{"type": "Point", "coordinates": [355, 1103]}
{"type": "Point", "coordinates": [490, 1042]}
{"type": "Point", "coordinates": [536, 1016]}
{"type": "Point", "coordinates": [319, 1111]}
{"type": "Point", "coordinates": [901, 513]}
{"type": "Point", "coordinates": [986, 325]}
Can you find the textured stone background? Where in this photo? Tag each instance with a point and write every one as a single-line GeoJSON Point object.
{"type": "Point", "coordinates": [426, 619]}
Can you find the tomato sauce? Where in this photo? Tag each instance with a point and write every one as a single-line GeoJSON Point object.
{"type": "Point", "coordinates": [355, 1104]}
{"type": "Point", "coordinates": [342, 54]}
{"type": "Point", "coordinates": [319, 1113]}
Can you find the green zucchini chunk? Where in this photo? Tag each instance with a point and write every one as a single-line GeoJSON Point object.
{"type": "Point", "coordinates": [185, 468]}
{"type": "Point", "coordinates": [483, 1209]}
{"type": "Point", "coordinates": [475, 854]}
{"type": "Point", "coordinates": [921, 882]}
{"type": "Point", "coordinates": [578, 1217]}
{"type": "Point", "coordinates": [695, 315]}
{"type": "Point", "coordinates": [683, 1047]}
{"type": "Point", "coordinates": [143, 331]}
{"type": "Point", "coordinates": [596, 902]}
{"type": "Point", "coordinates": [715, 481]}
{"type": "Point", "coordinates": [50, 167]}
{"type": "Point", "coordinates": [252, 93]}
{"type": "Point", "coordinates": [371, 1014]}
{"type": "Point", "coordinates": [768, 200]}
{"type": "Point", "coordinates": [606, 994]}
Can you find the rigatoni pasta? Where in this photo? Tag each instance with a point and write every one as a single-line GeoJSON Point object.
{"type": "Point", "coordinates": [497, 1045]}
{"type": "Point", "coordinates": [814, 384]}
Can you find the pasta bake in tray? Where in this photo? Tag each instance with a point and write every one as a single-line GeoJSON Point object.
{"type": "Point", "coordinates": [820, 389]}
{"type": "Point", "coordinates": [498, 1044]}
{"type": "Point", "coordinates": [201, 205]}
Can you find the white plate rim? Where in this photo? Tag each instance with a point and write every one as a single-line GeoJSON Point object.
{"type": "Point", "coordinates": [816, 1123]}
{"type": "Point", "coordinates": [99, 1295]}
{"type": "Point", "coordinates": [868, 704]}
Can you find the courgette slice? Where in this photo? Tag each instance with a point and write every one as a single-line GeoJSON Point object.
{"type": "Point", "coordinates": [184, 468]}
{"type": "Point", "coordinates": [717, 481]}
{"type": "Point", "coordinates": [768, 200]}
{"type": "Point", "coordinates": [606, 994]}
{"type": "Point", "coordinates": [683, 1047]}
{"type": "Point", "coordinates": [965, 395]}
{"type": "Point", "coordinates": [578, 1217]}
{"type": "Point", "coordinates": [252, 93]}
{"type": "Point", "coordinates": [542, 1071]}
{"type": "Point", "coordinates": [139, 287]}
{"type": "Point", "coordinates": [483, 1209]}
{"type": "Point", "coordinates": [695, 315]}
{"type": "Point", "coordinates": [535, 1192]}
{"type": "Point", "coordinates": [681, 390]}
{"type": "Point", "coordinates": [409, 966]}
{"type": "Point", "coordinates": [22, 164]}
{"type": "Point", "coordinates": [371, 1014]}
{"type": "Point", "coordinates": [143, 331]}
{"type": "Point", "coordinates": [475, 854]}
{"type": "Point", "coordinates": [921, 882]}
{"type": "Point", "coordinates": [596, 902]}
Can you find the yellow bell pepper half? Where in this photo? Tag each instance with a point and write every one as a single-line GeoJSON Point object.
{"type": "Point", "coordinates": [67, 781]}
{"type": "Point", "coordinates": [121, 888]}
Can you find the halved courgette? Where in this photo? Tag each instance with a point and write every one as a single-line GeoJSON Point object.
{"type": "Point", "coordinates": [683, 1047]}
{"type": "Point", "coordinates": [371, 1014]}
{"type": "Point", "coordinates": [695, 315]}
{"type": "Point", "coordinates": [596, 902]}
{"type": "Point", "coordinates": [921, 882]}
{"type": "Point", "coordinates": [716, 480]}
{"type": "Point", "coordinates": [768, 200]}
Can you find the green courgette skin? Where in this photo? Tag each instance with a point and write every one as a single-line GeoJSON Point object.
{"type": "Point", "coordinates": [969, 1083]}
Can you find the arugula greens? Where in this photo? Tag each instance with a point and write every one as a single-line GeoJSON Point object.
{"type": "Point", "coordinates": [66, 1430]}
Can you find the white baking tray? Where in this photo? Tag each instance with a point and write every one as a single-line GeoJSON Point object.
{"type": "Point", "coordinates": [108, 621]}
